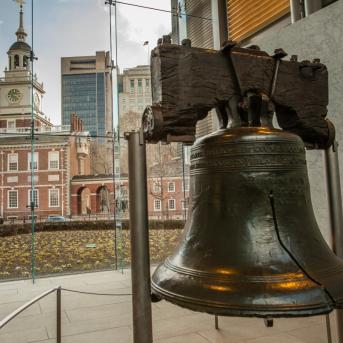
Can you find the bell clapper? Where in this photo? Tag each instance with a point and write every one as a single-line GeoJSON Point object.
{"type": "Point", "coordinates": [268, 322]}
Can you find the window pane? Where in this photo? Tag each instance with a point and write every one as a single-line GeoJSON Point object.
{"type": "Point", "coordinates": [35, 197]}
{"type": "Point", "coordinates": [171, 204]}
{"type": "Point", "coordinates": [13, 199]}
{"type": "Point", "coordinates": [12, 162]}
{"type": "Point", "coordinates": [54, 159]}
{"type": "Point", "coordinates": [35, 161]}
{"type": "Point", "coordinates": [53, 197]}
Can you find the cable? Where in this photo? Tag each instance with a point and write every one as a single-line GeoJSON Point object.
{"type": "Point", "coordinates": [179, 14]}
{"type": "Point", "coordinates": [32, 137]}
{"type": "Point", "coordinates": [93, 293]}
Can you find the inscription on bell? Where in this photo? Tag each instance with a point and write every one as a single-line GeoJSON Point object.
{"type": "Point", "coordinates": [249, 149]}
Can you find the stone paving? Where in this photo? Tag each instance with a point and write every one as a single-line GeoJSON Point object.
{"type": "Point", "coordinates": [105, 319]}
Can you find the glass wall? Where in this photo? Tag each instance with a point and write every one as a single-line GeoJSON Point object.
{"type": "Point", "coordinates": [64, 110]}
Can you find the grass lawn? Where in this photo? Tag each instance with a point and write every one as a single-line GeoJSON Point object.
{"type": "Point", "coordinates": [68, 251]}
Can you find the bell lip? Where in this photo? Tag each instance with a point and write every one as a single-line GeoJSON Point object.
{"type": "Point", "coordinates": [194, 304]}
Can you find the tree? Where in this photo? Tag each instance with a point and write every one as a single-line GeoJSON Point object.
{"type": "Point", "coordinates": [101, 156]}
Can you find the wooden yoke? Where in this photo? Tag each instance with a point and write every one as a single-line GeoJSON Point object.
{"type": "Point", "coordinates": [246, 86]}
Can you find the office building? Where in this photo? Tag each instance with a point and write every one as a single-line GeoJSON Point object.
{"type": "Point", "coordinates": [86, 89]}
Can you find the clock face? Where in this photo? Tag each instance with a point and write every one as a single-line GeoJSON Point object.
{"type": "Point", "coordinates": [14, 95]}
{"type": "Point", "coordinates": [36, 100]}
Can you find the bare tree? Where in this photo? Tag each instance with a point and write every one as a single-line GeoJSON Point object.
{"type": "Point", "coordinates": [101, 156]}
{"type": "Point", "coordinates": [159, 157]}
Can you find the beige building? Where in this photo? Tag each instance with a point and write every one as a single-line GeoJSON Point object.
{"type": "Point", "coordinates": [135, 96]}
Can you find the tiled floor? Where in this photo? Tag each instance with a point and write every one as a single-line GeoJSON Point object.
{"type": "Point", "coordinates": [105, 319]}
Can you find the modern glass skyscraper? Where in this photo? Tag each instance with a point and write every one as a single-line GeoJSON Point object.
{"type": "Point", "coordinates": [87, 91]}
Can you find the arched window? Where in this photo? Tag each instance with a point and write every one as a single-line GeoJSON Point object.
{"type": "Point", "coordinates": [25, 61]}
{"type": "Point", "coordinates": [16, 61]}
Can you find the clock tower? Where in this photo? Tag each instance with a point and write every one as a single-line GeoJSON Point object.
{"type": "Point", "coordinates": [17, 101]}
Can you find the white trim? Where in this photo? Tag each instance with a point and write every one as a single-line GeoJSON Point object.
{"type": "Point", "coordinates": [29, 156]}
{"type": "Point", "coordinates": [28, 196]}
{"type": "Point", "coordinates": [174, 187]}
{"type": "Point", "coordinates": [155, 208]}
{"type": "Point", "coordinates": [36, 171]}
{"type": "Point", "coordinates": [8, 162]}
{"type": "Point", "coordinates": [36, 186]}
{"type": "Point", "coordinates": [52, 153]}
{"type": "Point", "coordinates": [84, 182]}
{"type": "Point", "coordinates": [8, 198]}
{"type": "Point", "coordinates": [58, 197]}
{"type": "Point", "coordinates": [171, 209]}
{"type": "Point", "coordinates": [11, 121]}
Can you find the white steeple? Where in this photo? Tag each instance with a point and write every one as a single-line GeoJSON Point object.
{"type": "Point", "coordinates": [20, 52]}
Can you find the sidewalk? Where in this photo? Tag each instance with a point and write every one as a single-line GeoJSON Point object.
{"type": "Point", "coordinates": [105, 319]}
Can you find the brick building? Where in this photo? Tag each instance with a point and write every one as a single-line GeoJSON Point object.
{"type": "Point", "coordinates": [45, 175]}
{"type": "Point", "coordinates": [92, 194]}
{"type": "Point", "coordinates": [34, 171]}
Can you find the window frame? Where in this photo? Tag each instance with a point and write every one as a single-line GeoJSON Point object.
{"type": "Point", "coordinates": [157, 187]}
{"type": "Point", "coordinates": [51, 153]}
{"type": "Point", "coordinates": [132, 86]}
{"type": "Point", "coordinates": [174, 202]}
{"type": "Point", "coordinates": [58, 197]}
{"type": "Point", "coordinates": [12, 121]}
{"type": "Point", "coordinates": [157, 208]}
{"type": "Point", "coordinates": [8, 161]}
{"type": "Point", "coordinates": [173, 188]}
{"type": "Point", "coordinates": [8, 198]}
{"type": "Point", "coordinates": [29, 197]}
{"type": "Point", "coordinates": [35, 161]}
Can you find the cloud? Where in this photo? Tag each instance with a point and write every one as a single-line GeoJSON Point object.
{"type": "Point", "coordinates": [64, 28]}
{"type": "Point", "coordinates": [1, 22]}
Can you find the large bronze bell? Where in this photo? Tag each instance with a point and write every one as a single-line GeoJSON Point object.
{"type": "Point", "coordinates": [251, 245]}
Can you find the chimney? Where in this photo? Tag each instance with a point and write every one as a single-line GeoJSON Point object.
{"type": "Point", "coordinates": [72, 122]}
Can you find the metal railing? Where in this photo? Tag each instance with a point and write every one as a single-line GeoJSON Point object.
{"type": "Point", "coordinates": [22, 308]}
{"type": "Point", "coordinates": [58, 291]}
{"type": "Point", "coordinates": [38, 130]}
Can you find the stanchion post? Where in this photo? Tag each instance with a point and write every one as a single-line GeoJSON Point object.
{"type": "Point", "coordinates": [140, 263]}
{"type": "Point", "coordinates": [59, 315]}
{"type": "Point", "coordinates": [336, 216]}
{"type": "Point", "coordinates": [216, 324]}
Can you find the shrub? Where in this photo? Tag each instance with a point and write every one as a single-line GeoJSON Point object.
{"type": "Point", "coordinates": [16, 229]}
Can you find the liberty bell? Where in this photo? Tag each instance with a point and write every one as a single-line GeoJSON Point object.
{"type": "Point", "coordinates": [251, 245]}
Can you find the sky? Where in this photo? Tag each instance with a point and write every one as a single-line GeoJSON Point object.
{"type": "Point", "coordinates": [64, 28]}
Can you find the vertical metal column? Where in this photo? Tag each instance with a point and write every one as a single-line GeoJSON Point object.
{"type": "Point", "coordinates": [296, 10]}
{"type": "Point", "coordinates": [140, 264]}
{"type": "Point", "coordinates": [336, 216]}
{"type": "Point", "coordinates": [59, 315]}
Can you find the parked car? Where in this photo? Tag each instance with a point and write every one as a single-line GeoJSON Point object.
{"type": "Point", "coordinates": [54, 219]}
